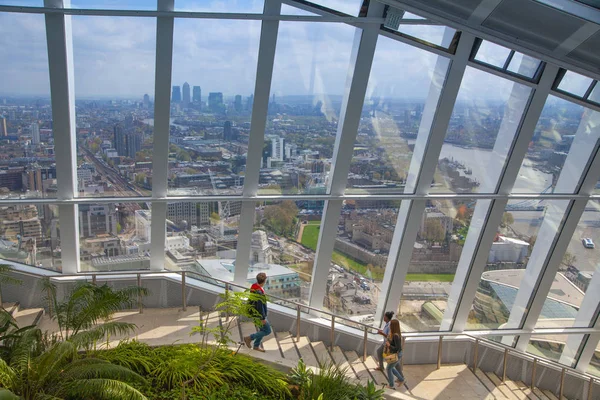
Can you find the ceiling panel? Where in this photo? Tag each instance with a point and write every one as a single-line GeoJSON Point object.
{"type": "Point", "coordinates": [588, 52]}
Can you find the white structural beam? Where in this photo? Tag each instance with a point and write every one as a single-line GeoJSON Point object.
{"type": "Point", "coordinates": [361, 59]}
{"type": "Point", "coordinates": [162, 113]}
{"type": "Point", "coordinates": [262, 91]}
{"type": "Point", "coordinates": [578, 37]}
{"type": "Point", "coordinates": [62, 90]}
{"type": "Point", "coordinates": [547, 254]}
{"type": "Point", "coordinates": [440, 101]}
{"type": "Point", "coordinates": [488, 214]}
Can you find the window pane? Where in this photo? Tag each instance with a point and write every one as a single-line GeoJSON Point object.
{"type": "Point", "coordinates": [114, 78]}
{"type": "Point", "coordinates": [575, 84]}
{"type": "Point", "coordinates": [114, 236]}
{"type": "Point", "coordinates": [289, 10]}
{"type": "Point", "coordinates": [30, 234]}
{"type": "Point", "coordinates": [492, 53]}
{"type": "Point", "coordinates": [524, 65]}
{"type": "Point", "coordinates": [517, 256]}
{"type": "Point", "coordinates": [480, 133]}
{"type": "Point", "coordinates": [362, 246]}
{"type": "Point", "coordinates": [350, 7]}
{"type": "Point", "coordinates": [284, 242]}
{"type": "Point", "coordinates": [438, 35]}
{"type": "Point", "coordinates": [394, 116]}
{"type": "Point", "coordinates": [112, 4]}
{"type": "Point", "coordinates": [594, 367]}
{"type": "Point", "coordinates": [309, 78]}
{"type": "Point", "coordinates": [562, 143]}
{"type": "Point", "coordinates": [564, 349]}
{"type": "Point", "coordinates": [27, 162]}
{"type": "Point", "coordinates": [595, 95]}
{"type": "Point", "coordinates": [574, 277]}
{"type": "Point", "coordinates": [232, 6]}
{"type": "Point", "coordinates": [436, 252]}
{"type": "Point", "coordinates": [202, 238]}
{"type": "Point", "coordinates": [211, 104]}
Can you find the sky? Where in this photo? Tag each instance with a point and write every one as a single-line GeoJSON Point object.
{"type": "Point", "coordinates": [114, 57]}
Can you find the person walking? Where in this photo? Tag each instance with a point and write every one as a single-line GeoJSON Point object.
{"type": "Point", "coordinates": [387, 317]}
{"type": "Point", "coordinates": [260, 305]}
{"type": "Point", "coordinates": [394, 346]}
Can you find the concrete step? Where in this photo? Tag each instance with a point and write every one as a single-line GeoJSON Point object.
{"type": "Point", "coordinates": [550, 395]}
{"type": "Point", "coordinates": [503, 388]}
{"type": "Point", "coordinates": [270, 345]}
{"type": "Point", "coordinates": [527, 390]}
{"type": "Point", "coordinates": [359, 367]}
{"type": "Point", "coordinates": [539, 393]}
{"type": "Point", "coordinates": [306, 353]}
{"type": "Point", "coordinates": [515, 390]}
{"type": "Point", "coordinates": [491, 386]}
{"type": "Point", "coordinates": [247, 329]}
{"type": "Point", "coordinates": [323, 357]}
{"type": "Point", "coordinates": [11, 308]}
{"type": "Point", "coordinates": [378, 376]}
{"type": "Point", "coordinates": [287, 346]}
{"type": "Point", "coordinates": [28, 316]}
{"type": "Point", "coordinates": [342, 362]}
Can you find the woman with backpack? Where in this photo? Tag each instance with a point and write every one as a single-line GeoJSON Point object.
{"type": "Point", "coordinates": [392, 354]}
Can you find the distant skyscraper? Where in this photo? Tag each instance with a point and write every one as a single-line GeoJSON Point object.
{"type": "Point", "coordinates": [215, 101]}
{"type": "Point", "coordinates": [238, 103]}
{"type": "Point", "coordinates": [3, 125]}
{"type": "Point", "coordinates": [146, 101]}
{"type": "Point", "coordinates": [176, 96]}
{"type": "Point", "coordinates": [197, 94]}
{"type": "Point", "coordinates": [186, 94]}
{"type": "Point", "coordinates": [133, 143]}
{"type": "Point", "coordinates": [277, 149]}
{"type": "Point", "coordinates": [250, 103]}
{"type": "Point", "coordinates": [119, 140]}
{"type": "Point", "coordinates": [227, 131]}
{"type": "Point", "coordinates": [35, 133]}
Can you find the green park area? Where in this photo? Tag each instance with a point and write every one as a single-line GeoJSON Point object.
{"type": "Point", "coordinates": [310, 235]}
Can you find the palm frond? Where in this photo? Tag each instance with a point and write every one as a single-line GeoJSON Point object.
{"type": "Point", "coordinates": [43, 396]}
{"type": "Point", "coordinates": [84, 339]}
{"type": "Point", "coordinates": [5, 270]}
{"type": "Point", "coordinates": [6, 394]}
{"type": "Point", "coordinates": [100, 370]}
{"type": "Point", "coordinates": [49, 364]}
{"type": "Point", "coordinates": [7, 375]}
{"type": "Point", "coordinates": [102, 389]}
{"type": "Point", "coordinates": [24, 348]}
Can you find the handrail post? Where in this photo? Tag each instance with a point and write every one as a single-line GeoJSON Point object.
{"type": "Point", "coordinates": [504, 365]}
{"type": "Point", "coordinates": [332, 331]}
{"type": "Point", "coordinates": [297, 322]}
{"type": "Point", "coordinates": [183, 292]}
{"type": "Point", "coordinates": [475, 355]}
{"type": "Point", "coordinates": [365, 345]}
{"type": "Point", "coordinates": [533, 372]}
{"type": "Point", "coordinates": [562, 383]}
{"type": "Point", "coordinates": [589, 396]}
{"type": "Point", "coordinates": [226, 297]}
{"type": "Point", "coordinates": [439, 358]}
{"type": "Point", "coordinates": [94, 279]}
{"type": "Point", "coordinates": [139, 283]}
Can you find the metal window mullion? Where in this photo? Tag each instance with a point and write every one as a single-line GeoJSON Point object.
{"type": "Point", "coordinates": [477, 249]}
{"type": "Point", "coordinates": [435, 120]}
{"type": "Point", "coordinates": [262, 90]}
{"type": "Point", "coordinates": [62, 92]}
{"type": "Point", "coordinates": [361, 59]}
{"type": "Point", "coordinates": [160, 155]}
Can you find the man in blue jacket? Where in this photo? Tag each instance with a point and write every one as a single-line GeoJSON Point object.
{"type": "Point", "coordinates": [260, 305]}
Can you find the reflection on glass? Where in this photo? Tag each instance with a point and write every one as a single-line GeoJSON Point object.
{"type": "Point", "coordinates": [350, 7]}
{"type": "Point", "coordinates": [524, 65]}
{"type": "Point", "coordinates": [394, 116]}
{"type": "Point", "coordinates": [594, 368]}
{"type": "Point", "coordinates": [492, 53]}
{"type": "Point", "coordinates": [114, 78]}
{"type": "Point", "coordinates": [309, 78]}
{"type": "Point", "coordinates": [211, 105]}
{"type": "Point", "coordinates": [436, 252]}
{"type": "Point", "coordinates": [595, 95]}
{"type": "Point", "coordinates": [575, 84]}
{"type": "Point", "coordinates": [227, 6]}
{"type": "Point", "coordinates": [508, 261]}
{"type": "Point", "coordinates": [284, 242]}
{"type": "Point", "coordinates": [576, 274]}
{"type": "Point", "coordinates": [563, 140]}
{"type": "Point", "coordinates": [30, 234]}
{"type": "Point", "coordinates": [202, 238]}
{"type": "Point", "coordinates": [438, 35]}
{"type": "Point", "coordinates": [27, 162]}
{"type": "Point", "coordinates": [114, 236]}
{"type": "Point", "coordinates": [564, 349]}
{"type": "Point", "coordinates": [360, 256]}
{"type": "Point", "coordinates": [480, 133]}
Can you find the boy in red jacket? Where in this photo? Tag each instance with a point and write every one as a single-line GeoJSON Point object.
{"type": "Point", "coordinates": [261, 307]}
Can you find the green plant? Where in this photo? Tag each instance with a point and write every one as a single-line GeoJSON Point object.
{"type": "Point", "coordinates": [330, 381]}
{"type": "Point", "coordinates": [84, 317]}
{"type": "Point", "coordinates": [300, 375]}
{"type": "Point", "coordinates": [60, 373]}
{"type": "Point", "coordinates": [370, 392]}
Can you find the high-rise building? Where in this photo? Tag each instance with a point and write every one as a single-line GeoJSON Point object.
{"type": "Point", "coordinates": [146, 101]}
{"type": "Point", "coordinates": [227, 131]}
{"type": "Point", "coordinates": [176, 96]}
{"type": "Point", "coordinates": [186, 94]}
{"type": "Point", "coordinates": [133, 144]}
{"type": "Point", "coordinates": [191, 212]}
{"type": "Point", "coordinates": [277, 149]}
{"type": "Point", "coordinates": [197, 94]}
{"type": "Point", "coordinates": [119, 140]}
{"type": "Point", "coordinates": [215, 101]}
{"type": "Point", "coordinates": [35, 133]}
{"type": "Point", "coordinates": [3, 126]}
{"type": "Point", "coordinates": [250, 103]}
{"type": "Point", "coordinates": [237, 104]}
{"type": "Point", "coordinates": [97, 219]}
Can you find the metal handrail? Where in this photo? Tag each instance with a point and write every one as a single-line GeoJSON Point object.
{"type": "Point", "coordinates": [299, 306]}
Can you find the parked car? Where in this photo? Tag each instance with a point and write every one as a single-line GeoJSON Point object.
{"type": "Point", "coordinates": [588, 243]}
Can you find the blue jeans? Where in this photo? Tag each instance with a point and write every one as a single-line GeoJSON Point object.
{"type": "Point", "coordinates": [394, 369]}
{"type": "Point", "coordinates": [262, 332]}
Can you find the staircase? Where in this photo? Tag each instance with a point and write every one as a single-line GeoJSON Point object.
{"type": "Point", "coordinates": [167, 326]}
